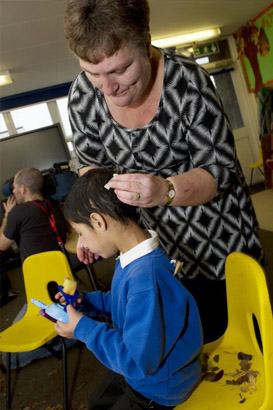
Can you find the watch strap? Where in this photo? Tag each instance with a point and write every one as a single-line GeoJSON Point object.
{"type": "Point", "coordinates": [169, 199]}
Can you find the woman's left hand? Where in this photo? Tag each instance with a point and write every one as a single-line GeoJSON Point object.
{"type": "Point", "coordinates": [67, 329]}
{"type": "Point", "coordinates": [142, 190]}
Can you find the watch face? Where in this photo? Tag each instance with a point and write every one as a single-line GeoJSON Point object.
{"type": "Point", "coordinates": [171, 194]}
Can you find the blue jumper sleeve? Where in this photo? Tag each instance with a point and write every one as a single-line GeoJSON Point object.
{"type": "Point", "coordinates": [139, 347]}
{"type": "Point", "coordinates": [96, 303]}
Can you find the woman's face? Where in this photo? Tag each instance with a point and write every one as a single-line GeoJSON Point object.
{"type": "Point", "coordinates": [123, 77]}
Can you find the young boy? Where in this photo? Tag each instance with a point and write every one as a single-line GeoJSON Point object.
{"type": "Point", "coordinates": [152, 348]}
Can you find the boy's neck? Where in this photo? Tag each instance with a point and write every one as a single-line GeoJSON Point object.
{"type": "Point", "coordinates": [130, 236]}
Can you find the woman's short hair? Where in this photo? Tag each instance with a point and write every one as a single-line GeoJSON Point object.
{"type": "Point", "coordinates": [96, 29]}
{"type": "Point", "coordinates": [89, 195]}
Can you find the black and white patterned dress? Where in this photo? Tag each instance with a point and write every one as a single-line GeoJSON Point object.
{"type": "Point", "coordinates": [190, 130]}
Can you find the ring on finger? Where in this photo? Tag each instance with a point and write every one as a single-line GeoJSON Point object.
{"type": "Point", "coordinates": [137, 196]}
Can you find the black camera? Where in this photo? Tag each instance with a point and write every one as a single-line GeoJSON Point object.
{"type": "Point", "coordinates": [7, 187]}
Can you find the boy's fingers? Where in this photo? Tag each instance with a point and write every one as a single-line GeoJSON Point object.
{"type": "Point", "coordinates": [70, 309]}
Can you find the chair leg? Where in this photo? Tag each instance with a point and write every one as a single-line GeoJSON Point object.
{"type": "Point", "coordinates": [65, 384]}
{"type": "Point", "coordinates": [251, 177]}
{"type": "Point", "coordinates": [92, 276]}
{"type": "Point", "coordinates": [8, 393]}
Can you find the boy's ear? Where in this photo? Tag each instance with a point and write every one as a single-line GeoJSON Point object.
{"type": "Point", "coordinates": [98, 222]}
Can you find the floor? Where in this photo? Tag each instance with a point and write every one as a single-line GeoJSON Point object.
{"type": "Point", "coordinates": [39, 385]}
{"type": "Point", "coordinates": [263, 205]}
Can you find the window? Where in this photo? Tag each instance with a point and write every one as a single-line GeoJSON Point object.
{"type": "Point", "coordinates": [3, 128]}
{"type": "Point", "coordinates": [224, 84]}
{"type": "Point", "coordinates": [62, 106]}
{"type": "Point", "coordinates": [31, 117]}
{"type": "Point", "coordinates": [221, 77]}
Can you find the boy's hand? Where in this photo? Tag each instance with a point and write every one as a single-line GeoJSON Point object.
{"type": "Point", "coordinates": [60, 299]}
{"type": "Point", "coordinates": [84, 255]}
{"type": "Point", "coordinates": [67, 329]}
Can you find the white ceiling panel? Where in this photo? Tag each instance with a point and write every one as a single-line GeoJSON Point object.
{"type": "Point", "coordinates": [33, 48]}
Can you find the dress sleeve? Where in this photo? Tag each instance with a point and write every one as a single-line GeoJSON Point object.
{"type": "Point", "coordinates": [84, 116]}
{"type": "Point", "coordinates": [209, 135]}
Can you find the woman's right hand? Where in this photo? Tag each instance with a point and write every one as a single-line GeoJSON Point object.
{"type": "Point", "coordinates": [84, 255]}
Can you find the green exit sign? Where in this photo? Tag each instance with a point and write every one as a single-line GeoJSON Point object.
{"type": "Point", "coordinates": [206, 49]}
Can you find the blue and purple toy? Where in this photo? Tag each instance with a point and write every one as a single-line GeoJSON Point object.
{"type": "Point", "coordinates": [57, 311]}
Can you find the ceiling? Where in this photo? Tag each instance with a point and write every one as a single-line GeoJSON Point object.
{"type": "Point", "coordinates": [33, 49]}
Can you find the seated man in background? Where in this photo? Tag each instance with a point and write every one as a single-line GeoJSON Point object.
{"type": "Point", "coordinates": [27, 222]}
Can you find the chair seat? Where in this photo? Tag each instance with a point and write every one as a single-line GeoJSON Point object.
{"type": "Point", "coordinates": [257, 164]}
{"type": "Point", "coordinates": [219, 395]}
{"type": "Point", "coordinates": [250, 324]}
{"type": "Point", "coordinates": [21, 336]}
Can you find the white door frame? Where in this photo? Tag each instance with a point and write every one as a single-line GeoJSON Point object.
{"type": "Point", "coordinates": [247, 137]}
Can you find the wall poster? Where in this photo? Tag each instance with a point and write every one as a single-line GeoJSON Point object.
{"type": "Point", "coordinates": [254, 43]}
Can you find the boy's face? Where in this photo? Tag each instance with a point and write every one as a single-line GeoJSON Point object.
{"type": "Point", "coordinates": [96, 240]}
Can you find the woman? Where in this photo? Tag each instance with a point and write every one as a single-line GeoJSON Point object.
{"type": "Point", "coordinates": [156, 119]}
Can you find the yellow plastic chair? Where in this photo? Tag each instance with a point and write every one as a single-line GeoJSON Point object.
{"type": "Point", "coordinates": [33, 330]}
{"type": "Point", "coordinates": [247, 296]}
{"type": "Point", "coordinates": [257, 165]}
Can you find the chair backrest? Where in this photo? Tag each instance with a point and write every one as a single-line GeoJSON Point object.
{"type": "Point", "coordinates": [42, 269]}
{"type": "Point", "coordinates": [247, 295]}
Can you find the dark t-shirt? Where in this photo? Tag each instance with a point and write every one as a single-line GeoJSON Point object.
{"type": "Point", "coordinates": [29, 226]}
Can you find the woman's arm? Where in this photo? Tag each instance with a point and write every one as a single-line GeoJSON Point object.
{"type": "Point", "coordinates": [83, 170]}
{"type": "Point", "coordinates": [211, 150]}
{"type": "Point", "coordinates": [194, 187]}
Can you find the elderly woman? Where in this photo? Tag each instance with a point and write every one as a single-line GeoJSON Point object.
{"type": "Point", "coordinates": [155, 118]}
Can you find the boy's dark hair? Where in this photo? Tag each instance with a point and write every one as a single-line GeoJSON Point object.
{"type": "Point", "coordinates": [88, 195]}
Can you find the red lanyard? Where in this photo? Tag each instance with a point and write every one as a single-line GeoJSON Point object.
{"type": "Point", "coordinates": [51, 220]}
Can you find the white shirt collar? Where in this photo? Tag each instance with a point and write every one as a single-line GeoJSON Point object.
{"type": "Point", "coordinates": [143, 248]}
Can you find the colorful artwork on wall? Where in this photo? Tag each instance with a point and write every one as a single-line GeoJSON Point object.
{"type": "Point", "coordinates": [254, 43]}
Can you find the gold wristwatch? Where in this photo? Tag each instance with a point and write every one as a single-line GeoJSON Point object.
{"type": "Point", "coordinates": [170, 193]}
